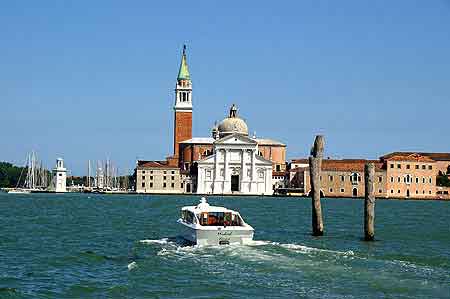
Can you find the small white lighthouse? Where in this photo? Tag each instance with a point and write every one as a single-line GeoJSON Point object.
{"type": "Point", "coordinates": [59, 176]}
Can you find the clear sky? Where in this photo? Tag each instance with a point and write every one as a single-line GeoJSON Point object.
{"type": "Point", "coordinates": [95, 79]}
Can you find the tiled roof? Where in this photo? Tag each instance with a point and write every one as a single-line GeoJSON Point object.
{"type": "Point", "coordinates": [300, 161]}
{"type": "Point", "coordinates": [154, 164]}
{"type": "Point", "coordinates": [434, 156]}
{"type": "Point", "coordinates": [278, 173]}
{"type": "Point", "coordinates": [349, 165]}
{"type": "Point", "coordinates": [265, 141]}
{"type": "Point", "coordinates": [412, 157]}
{"type": "Point", "coordinates": [199, 140]}
{"type": "Point", "coordinates": [342, 165]}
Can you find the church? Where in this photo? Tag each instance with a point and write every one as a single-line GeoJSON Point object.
{"type": "Point", "coordinates": [229, 161]}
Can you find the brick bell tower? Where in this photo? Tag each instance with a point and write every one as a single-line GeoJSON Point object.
{"type": "Point", "coordinates": [182, 107]}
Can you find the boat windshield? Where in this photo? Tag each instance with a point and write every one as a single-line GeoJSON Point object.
{"type": "Point", "coordinates": [220, 219]}
{"type": "Point", "coordinates": [187, 216]}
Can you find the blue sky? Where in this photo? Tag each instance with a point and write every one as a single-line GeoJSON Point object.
{"type": "Point", "coordinates": [95, 79]}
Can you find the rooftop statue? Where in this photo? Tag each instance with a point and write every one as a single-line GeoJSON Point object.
{"type": "Point", "coordinates": [233, 111]}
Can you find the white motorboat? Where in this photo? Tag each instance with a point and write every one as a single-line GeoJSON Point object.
{"type": "Point", "coordinates": [210, 225]}
{"type": "Point", "coordinates": [19, 191]}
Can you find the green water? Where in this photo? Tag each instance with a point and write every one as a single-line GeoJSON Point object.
{"type": "Point", "coordinates": [93, 246]}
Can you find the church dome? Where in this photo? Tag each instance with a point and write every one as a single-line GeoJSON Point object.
{"type": "Point", "coordinates": [232, 124]}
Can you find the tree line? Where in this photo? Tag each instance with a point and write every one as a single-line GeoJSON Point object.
{"type": "Point", "coordinates": [10, 174]}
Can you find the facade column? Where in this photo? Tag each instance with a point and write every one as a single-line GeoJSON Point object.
{"type": "Point", "coordinates": [254, 165]}
{"type": "Point", "coordinates": [243, 170]}
{"type": "Point", "coordinates": [226, 177]}
{"type": "Point", "coordinates": [254, 183]}
{"type": "Point", "coordinates": [215, 174]}
{"type": "Point", "coordinates": [244, 179]}
{"type": "Point", "coordinates": [226, 159]}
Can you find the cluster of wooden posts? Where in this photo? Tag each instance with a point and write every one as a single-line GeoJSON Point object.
{"type": "Point", "coordinates": [315, 166]}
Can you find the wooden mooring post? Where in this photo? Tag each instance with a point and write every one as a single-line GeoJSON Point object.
{"type": "Point", "coordinates": [369, 202]}
{"type": "Point", "coordinates": [315, 166]}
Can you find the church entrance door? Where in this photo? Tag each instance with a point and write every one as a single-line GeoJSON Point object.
{"type": "Point", "coordinates": [234, 183]}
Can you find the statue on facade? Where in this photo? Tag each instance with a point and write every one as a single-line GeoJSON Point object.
{"type": "Point", "coordinates": [233, 111]}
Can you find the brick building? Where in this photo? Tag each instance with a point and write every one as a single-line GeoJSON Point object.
{"type": "Point", "coordinates": [398, 175]}
{"type": "Point", "coordinates": [189, 152]}
{"type": "Point", "coordinates": [339, 178]}
{"type": "Point", "coordinates": [160, 177]}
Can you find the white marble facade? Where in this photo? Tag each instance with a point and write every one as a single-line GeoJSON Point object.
{"type": "Point", "coordinates": [235, 168]}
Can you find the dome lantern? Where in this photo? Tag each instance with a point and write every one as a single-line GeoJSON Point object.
{"type": "Point", "coordinates": [232, 124]}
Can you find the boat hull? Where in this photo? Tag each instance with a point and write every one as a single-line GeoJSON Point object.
{"type": "Point", "coordinates": [217, 235]}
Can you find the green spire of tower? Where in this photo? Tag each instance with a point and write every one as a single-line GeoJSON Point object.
{"type": "Point", "coordinates": [183, 73]}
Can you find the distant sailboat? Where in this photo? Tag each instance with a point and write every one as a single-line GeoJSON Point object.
{"type": "Point", "coordinates": [36, 177]}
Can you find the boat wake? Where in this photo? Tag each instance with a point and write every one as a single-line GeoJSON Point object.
{"type": "Point", "coordinates": [265, 250]}
{"type": "Point", "coordinates": [275, 255]}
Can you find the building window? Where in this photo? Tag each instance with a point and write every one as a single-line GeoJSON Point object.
{"type": "Point", "coordinates": [407, 166]}
{"type": "Point", "coordinates": [408, 179]}
{"type": "Point", "coordinates": [143, 177]}
{"type": "Point", "coordinates": [331, 190]}
{"type": "Point", "coordinates": [222, 172]}
{"type": "Point", "coordinates": [143, 184]}
{"type": "Point", "coordinates": [430, 167]}
{"type": "Point", "coordinates": [431, 180]}
{"type": "Point", "coordinates": [417, 180]}
{"type": "Point", "coordinates": [143, 171]}
{"type": "Point", "coordinates": [417, 192]}
{"type": "Point", "coordinates": [164, 185]}
{"type": "Point", "coordinates": [320, 178]}
{"type": "Point", "coordinates": [342, 178]}
{"type": "Point", "coordinates": [181, 185]}
{"type": "Point", "coordinates": [151, 185]}
{"type": "Point", "coordinates": [380, 191]}
{"type": "Point", "coordinates": [423, 191]}
{"type": "Point", "coordinates": [398, 191]}
{"type": "Point", "coordinates": [392, 179]}
{"type": "Point", "coordinates": [330, 177]}
{"type": "Point", "coordinates": [342, 190]}
{"type": "Point", "coordinates": [173, 171]}
{"type": "Point", "coordinates": [423, 180]}
{"type": "Point", "coordinates": [417, 166]}
{"type": "Point", "coordinates": [429, 192]}
{"type": "Point", "coordinates": [424, 167]}
{"type": "Point", "coordinates": [399, 166]}
{"type": "Point", "coordinates": [392, 165]}
{"type": "Point", "coordinates": [173, 185]}
{"type": "Point", "coordinates": [261, 174]}
{"type": "Point", "coordinates": [380, 179]}
{"type": "Point", "coordinates": [151, 171]}
{"type": "Point", "coordinates": [398, 180]}
{"type": "Point", "coordinates": [392, 190]}
{"type": "Point", "coordinates": [164, 177]}
{"type": "Point", "coordinates": [278, 167]}
{"type": "Point", "coordinates": [208, 174]}
{"type": "Point", "coordinates": [165, 172]}
{"type": "Point", "coordinates": [173, 177]}
{"type": "Point", "coordinates": [151, 177]}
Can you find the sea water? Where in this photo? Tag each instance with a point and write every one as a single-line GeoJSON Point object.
{"type": "Point", "coordinates": [127, 246]}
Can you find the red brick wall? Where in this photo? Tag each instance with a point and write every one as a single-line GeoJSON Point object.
{"type": "Point", "coordinates": [182, 130]}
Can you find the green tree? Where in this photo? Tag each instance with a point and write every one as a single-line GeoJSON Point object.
{"type": "Point", "coordinates": [10, 174]}
{"type": "Point", "coordinates": [442, 179]}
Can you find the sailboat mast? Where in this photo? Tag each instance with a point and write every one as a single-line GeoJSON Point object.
{"type": "Point", "coordinates": [89, 174]}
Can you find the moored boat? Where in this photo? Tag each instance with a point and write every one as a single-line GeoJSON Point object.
{"type": "Point", "coordinates": [212, 225]}
{"type": "Point", "coordinates": [19, 191]}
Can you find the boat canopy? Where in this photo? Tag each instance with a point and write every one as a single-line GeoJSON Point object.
{"type": "Point", "coordinates": [207, 215]}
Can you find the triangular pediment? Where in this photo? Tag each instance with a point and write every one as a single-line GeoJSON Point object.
{"type": "Point", "coordinates": [209, 159]}
{"type": "Point", "coordinates": [235, 139]}
{"type": "Point", "coordinates": [262, 160]}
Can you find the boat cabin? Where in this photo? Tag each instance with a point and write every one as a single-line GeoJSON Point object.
{"type": "Point", "coordinates": [212, 218]}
